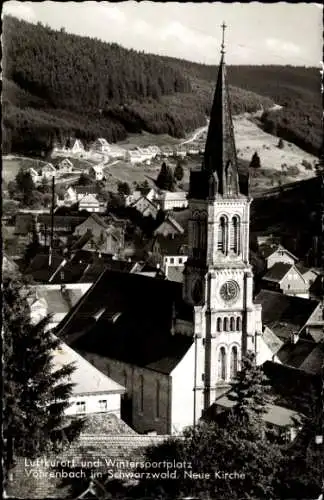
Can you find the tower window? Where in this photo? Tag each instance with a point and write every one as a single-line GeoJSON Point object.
{"type": "Point", "coordinates": [219, 324]}
{"type": "Point", "coordinates": [222, 363]}
{"type": "Point", "coordinates": [235, 235]}
{"type": "Point", "coordinates": [232, 324]}
{"type": "Point", "coordinates": [238, 324]}
{"type": "Point", "coordinates": [234, 362]}
{"type": "Point", "coordinates": [222, 230]}
{"type": "Point", "coordinates": [225, 325]}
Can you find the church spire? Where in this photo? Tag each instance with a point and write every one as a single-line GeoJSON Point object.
{"type": "Point", "coordinates": [220, 153]}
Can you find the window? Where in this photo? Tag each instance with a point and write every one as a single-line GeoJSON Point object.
{"type": "Point", "coordinates": [222, 363]}
{"type": "Point", "coordinates": [235, 235]}
{"type": "Point", "coordinates": [141, 394]}
{"type": "Point", "coordinates": [221, 242]}
{"type": "Point", "coordinates": [234, 362]}
{"type": "Point", "coordinates": [238, 324]}
{"type": "Point", "coordinates": [157, 399]}
{"type": "Point", "coordinates": [80, 406]}
{"type": "Point", "coordinates": [103, 406]}
{"type": "Point", "coordinates": [172, 260]}
{"type": "Point", "coordinates": [219, 324]}
{"type": "Point", "coordinates": [225, 325]}
{"type": "Point", "coordinates": [232, 324]}
{"type": "Point", "coordinates": [180, 260]}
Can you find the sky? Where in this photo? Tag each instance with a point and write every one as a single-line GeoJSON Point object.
{"type": "Point", "coordinates": [278, 33]}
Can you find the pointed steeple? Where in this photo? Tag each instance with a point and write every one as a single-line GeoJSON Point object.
{"type": "Point", "coordinates": [220, 152]}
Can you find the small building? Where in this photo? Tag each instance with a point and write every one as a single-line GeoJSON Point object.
{"type": "Point", "coordinates": [82, 191]}
{"type": "Point", "coordinates": [65, 166]}
{"type": "Point", "coordinates": [274, 254]}
{"type": "Point", "coordinates": [309, 274]}
{"type": "Point", "coordinates": [287, 279]}
{"type": "Point", "coordinates": [101, 145]}
{"type": "Point", "coordinates": [104, 237]}
{"type": "Point", "coordinates": [48, 171]}
{"type": "Point", "coordinates": [169, 200]}
{"type": "Point", "coordinates": [76, 146]}
{"type": "Point", "coordinates": [90, 203]}
{"type": "Point", "coordinates": [93, 392]}
{"type": "Point", "coordinates": [96, 172]}
{"type": "Point", "coordinates": [146, 207]}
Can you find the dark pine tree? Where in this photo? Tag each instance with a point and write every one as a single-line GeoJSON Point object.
{"type": "Point", "coordinates": [165, 179]}
{"type": "Point", "coordinates": [25, 186]}
{"type": "Point", "coordinates": [178, 171]}
{"type": "Point", "coordinates": [255, 161]}
{"type": "Point", "coordinates": [35, 395]}
{"type": "Point", "coordinates": [123, 188]}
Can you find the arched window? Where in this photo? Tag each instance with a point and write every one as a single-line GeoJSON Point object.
{"type": "Point", "coordinates": [238, 324]}
{"type": "Point", "coordinates": [157, 400]}
{"type": "Point", "coordinates": [232, 324]}
{"type": "Point", "coordinates": [219, 324]}
{"type": "Point", "coordinates": [141, 394]}
{"type": "Point", "coordinates": [203, 234]}
{"type": "Point", "coordinates": [222, 228]}
{"type": "Point", "coordinates": [235, 235]}
{"type": "Point", "coordinates": [234, 362]}
{"type": "Point", "coordinates": [225, 325]}
{"type": "Point", "coordinates": [222, 363]}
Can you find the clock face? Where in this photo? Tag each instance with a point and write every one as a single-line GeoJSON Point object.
{"type": "Point", "coordinates": [197, 291]}
{"type": "Point", "coordinates": [229, 290]}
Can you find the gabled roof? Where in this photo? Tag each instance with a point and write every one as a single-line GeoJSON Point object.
{"type": "Point", "coordinates": [89, 199]}
{"type": "Point", "coordinates": [172, 246]}
{"type": "Point", "coordinates": [143, 309]}
{"type": "Point", "coordinates": [304, 355]}
{"type": "Point", "coordinates": [303, 270]}
{"type": "Point", "coordinates": [284, 314]}
{"type": "Point", "coordinates": [267, 250]}
{"type": "Point", "coordinates": [39, 268]}
{"type": "Point", "coordinates": [58, 301]}
{"type": "Point", "coordinates": [67, 221]}
{"type": "Point", "coordinates": [271, 340]}
{"type": "Point", "coordinates": [277, 272]}
{"type": "Point", "coordinates": [86, 378]}
{"type": "Point", "coordinates": [170, 220]}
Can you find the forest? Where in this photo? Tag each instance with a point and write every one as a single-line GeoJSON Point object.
{"type": "Point", "coordinates": [57, 85]}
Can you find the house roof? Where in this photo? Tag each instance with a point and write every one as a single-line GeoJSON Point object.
{"type": "Point", "coordinates": [277, 272]}
{"type": "Point", "coordinates": [67, 221]}
{"type": "Point", "coordinates": [172, 246]}
{"type": "Point", "coordinates": [284, 314]}
{"type": "Point", "coordinates": [304, 355]}
{"type": "Point", "coordinates": [174, 196]}
{"type": "Point", "coordinates": [39, 268]}
{"type": "Point", "coordinates": [268, 249]}
{"type": "Point", "coordinates": [169, 221]}
{"type": "Point", "coordinates": [86, 378]}
{"type": "Point", "coordinates": [275, 415]}
{"type": "Point", "coordinates": [97, 168]}
{"type": "Point", "coordinates": [58, 301]}
{"type": "Point", "coordinates": [135, 315]}
{"type": "Point", "coordinates": [175, 273]}
{"type": "Point", "coordinates": [85, 189]}
{"type": "Point", "coordinates": [303, 270]}
{"type": "Point", "coordinates": [272, 341]}
{"type": "Point", "coordinates": [89, 199]}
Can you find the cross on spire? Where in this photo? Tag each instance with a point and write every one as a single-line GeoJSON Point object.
{"type": "Point", "coordinates": [223, 26]}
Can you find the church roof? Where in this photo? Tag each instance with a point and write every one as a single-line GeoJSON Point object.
{"type": "Point", "coordinates": [128, 317]}
{"type": "Point", "coordinates": [284, 314]}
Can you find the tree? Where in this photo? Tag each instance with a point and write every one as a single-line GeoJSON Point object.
{"type": "Point", "coordinates": [165, 179]}
{"type": "Point", "coordinates": [84, 180]}
{"type": "Point", "coordinates": [144, 187]}
{"type": "Point", "coordinates": [123, 189]}
{"type": "Point", "coordinates": [178, 171]}
{"type": "Point", "coordinates": [255, 161]}
{"type": "Point", "coordinates": [35, 395]}
{"type": "Point", "coordinates": [25, 186]}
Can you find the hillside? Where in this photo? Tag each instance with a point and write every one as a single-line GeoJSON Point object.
{"type": "Point", "coordinates": [57, 84]}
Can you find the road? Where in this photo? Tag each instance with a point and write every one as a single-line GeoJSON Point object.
{"type": "Point", "coordinates": [195, 135]}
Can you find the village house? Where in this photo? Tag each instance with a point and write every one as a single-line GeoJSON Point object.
{"type": "Point", "coordinates": [90, 203]}
{"type": "Point", "coordinates": [309, 274]}
{"type": "Point", "coordinates": [106, 236]}
{"type": "Point", "coordinates": [45, 172]}
{"type": "Point", "coordinates": [69, 198]}
{"type": "Point", "coordinates": [101, 145]}
{"type": "Point", "coordinates": [169, 200]}
{"type": "Point", "coordinates": [63, 227]}
{"type": "Point", "coordinates": [169, 227]}
{"type": "Point", "coordinates": [287, 279]}
{"type": "Point", "coordinates": [75, 146]}
{"type": "Point", "coordinates": [93, 392]}
{"type": "Point", "coordinates": [65, 166]}
{"type": "Point", "coordinates": [274, 254]}
{"type": "Point", "coordinates": [146, 207]}
{"type": "Point", "coordinates": [303, 355]}
{"type": "Point", "coordinates": [96, 172]}
{"type": "Point", "coordinates": [82, 191]}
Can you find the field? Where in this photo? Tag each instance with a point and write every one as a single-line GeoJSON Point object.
{"type": "Point", "coordinates": [146, 139]}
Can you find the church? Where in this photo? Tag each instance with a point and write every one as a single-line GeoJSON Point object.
{"type": "Point", "coordinates": [176, 346]}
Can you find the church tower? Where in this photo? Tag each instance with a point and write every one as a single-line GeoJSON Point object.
{"type": "Point", "coordinates": [218, 279]}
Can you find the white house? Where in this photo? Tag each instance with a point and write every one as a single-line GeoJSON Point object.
{"type": "Point", "coordinates": [93, 392]}
{"type": "Point", "coordinates": [48, 171]}
{"type": "Point", "coordinates": [90, 203]}
{"type": "Point", "coordinates": [76, 146]}
{"type": "Point", "coordinates": [65, 166]}
{"type": "Point", "coordinates": [287, 279]}
{"type": "Point", "coordinates": [97, 172]}
{"type": "Point", "coordinates": [169, 200]}
{"type": "Point", "coordinates": [101, 145]}
{"type": "Point", "coordinates": [277, 253]}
